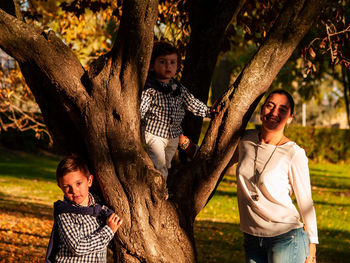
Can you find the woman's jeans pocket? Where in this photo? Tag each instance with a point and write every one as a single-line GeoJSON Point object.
{"type": "Point", "coordinates": [290, 247]}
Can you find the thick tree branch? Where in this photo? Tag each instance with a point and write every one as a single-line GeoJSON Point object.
{"type": "Point", "coordinates": [46, 75]}
{"type": "Point", "coordinates": [27, 44]}
{"type": "Point", "coordinates": [123, 72]}
{"type": "Point", "coordinates": [291, 26]}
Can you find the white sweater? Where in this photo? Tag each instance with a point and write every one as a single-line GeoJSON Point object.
{"type": "Point", "coordinates": [274, 212]}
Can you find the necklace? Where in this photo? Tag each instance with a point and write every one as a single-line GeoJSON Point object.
{"type": "Point", "coordinates": [256, 177]}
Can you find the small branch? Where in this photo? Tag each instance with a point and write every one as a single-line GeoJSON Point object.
{"type": "Point", "coordinates": [330, 43]}
{"type": "Point", "coordinates": [341, 32]}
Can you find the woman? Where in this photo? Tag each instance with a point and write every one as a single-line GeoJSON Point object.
{"type": "Point", "coordinates": [271, 167]}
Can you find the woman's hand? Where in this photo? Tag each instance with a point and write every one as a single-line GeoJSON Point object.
{"type": "Point", "coordinates": [312, 256]}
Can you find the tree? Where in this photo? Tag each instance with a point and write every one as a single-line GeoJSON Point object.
{"type": "Point", "coordinates": [94, 113]}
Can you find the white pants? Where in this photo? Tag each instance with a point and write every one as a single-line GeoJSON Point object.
{"type": "Point", "coordinates": [161, 151]}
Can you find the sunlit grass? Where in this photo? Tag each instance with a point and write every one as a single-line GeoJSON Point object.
{"type": "Point", "coordinates": [28, 178]}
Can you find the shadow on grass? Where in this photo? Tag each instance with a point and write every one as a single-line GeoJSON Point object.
{"type": "Point", "coordinates": [9, 204]}
{"type": "Point", "coordinates": [330, 204]}
{"type": "Point", "coordinates": [333, 247]}
{"type": "Point", "coordinates": [24, 233]}
{"type": "Point", "coordinates": [316, 171]}
{"type": "Point", "coordinates": [225, 193]}
{"type": "Point", "coordinates": [28, 166]}
{"type": "Point", "coordinates": [223, 242]}
{"type": "Point", "coordinates": [331, 182]}
{"type": "Point", "coordinates": [218, 242]}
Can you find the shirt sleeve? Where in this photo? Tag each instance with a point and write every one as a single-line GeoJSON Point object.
{"type": "Point", "coordinates": [79, 243]}
{"type": "Point", "coordinates": [194, 105]}
{"type": "Point", "coordinates": [302, 189]}
{"type": "Point", "coordinates": [146, 99]}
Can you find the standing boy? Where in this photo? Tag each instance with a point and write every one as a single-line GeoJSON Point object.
{"type": "Point", "coordinates": [163, 104]}
{"type": "Point", "coordinates": [80, 232]}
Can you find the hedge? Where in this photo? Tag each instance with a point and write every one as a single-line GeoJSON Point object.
{"type": "Point", "coordinates": [320, 144]}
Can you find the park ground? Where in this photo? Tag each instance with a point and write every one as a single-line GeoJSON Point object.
{"type": "Point", "coordinates": [28, 189]}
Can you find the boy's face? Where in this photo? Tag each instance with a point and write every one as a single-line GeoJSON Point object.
{"type": "Point", "coordinates": [75, 186]}
{"type": "Point", "coordinates": [165, 67]}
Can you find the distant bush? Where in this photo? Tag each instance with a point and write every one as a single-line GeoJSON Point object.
{"type": "Point", "coordinates": [322, 144]}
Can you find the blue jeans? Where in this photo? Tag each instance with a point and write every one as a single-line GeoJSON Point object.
{"type": "Point", "coordinates": [291, 247]}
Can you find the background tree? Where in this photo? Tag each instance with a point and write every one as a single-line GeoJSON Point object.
{"type": "Point", "coordinates": [94, 112]}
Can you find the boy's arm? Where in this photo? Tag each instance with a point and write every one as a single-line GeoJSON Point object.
{"type": "Point", "coordinates": [80, 243]}
{"type": "Point", "coordinates": [194, 105]}
{"type": "Point", "coordinates": [146, 99]}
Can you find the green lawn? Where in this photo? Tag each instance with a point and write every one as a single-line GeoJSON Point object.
{"type": "Point", "coordinates": [28, 188]}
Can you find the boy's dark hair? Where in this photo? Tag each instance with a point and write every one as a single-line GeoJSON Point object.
{"type": "Point", "coordinates": [70, 164]}
{"type": "Point", "coordinates": [162, 48]}
{"type": "Point", "coordinates": [285, 93]}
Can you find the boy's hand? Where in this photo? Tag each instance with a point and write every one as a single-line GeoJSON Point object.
{"type": "Point", "coordinates": [114, 222]}
{"type": "Point", "coordinates": [183, 139]}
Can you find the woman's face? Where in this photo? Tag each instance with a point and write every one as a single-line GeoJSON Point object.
{"type": "Point", "coordinates": [276, 112]}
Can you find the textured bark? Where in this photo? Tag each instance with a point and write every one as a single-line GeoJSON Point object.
{"type": "Point", "coordinates": [346, 85]}
{"type": "Point", "coordinates": [96, 113]}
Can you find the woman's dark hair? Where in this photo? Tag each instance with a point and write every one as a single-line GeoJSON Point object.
{"type": "Point", "coordinates": [282, 92]}
{"type": "Point", "coordinates": [163, 48]}
{"type": "Point", "coordinates": [70, 164]}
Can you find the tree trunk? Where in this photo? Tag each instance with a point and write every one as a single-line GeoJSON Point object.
{"type": "Point", "coordinates": [346, 85]}
{"type": "Point", "coordinates": [95, 113]}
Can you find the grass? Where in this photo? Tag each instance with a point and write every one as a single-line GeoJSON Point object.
{"type": "Point", "coordinates": [28, 188]}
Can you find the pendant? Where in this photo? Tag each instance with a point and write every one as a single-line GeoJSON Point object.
{"type": "Point", "coordinates": [255, 197]}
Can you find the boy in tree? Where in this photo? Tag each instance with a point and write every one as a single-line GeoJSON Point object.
{"type": "Point", "coordinates": [82, 228]}
{"type": "Point", "coordinates": [163, 104]}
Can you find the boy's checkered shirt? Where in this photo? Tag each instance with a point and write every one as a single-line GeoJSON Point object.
{"type": "Point", "coordinates": [163, 112]}
{"type": "Point", "coordinates": [83, 238]}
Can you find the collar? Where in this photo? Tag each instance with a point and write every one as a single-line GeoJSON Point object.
{"type": "Point", "coordinates": [172, 88]}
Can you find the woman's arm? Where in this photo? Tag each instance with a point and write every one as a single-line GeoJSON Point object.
{"type": "Point", "coordinates": [312, 256]}
{"type": "Point", "coordinates": [300, 181]}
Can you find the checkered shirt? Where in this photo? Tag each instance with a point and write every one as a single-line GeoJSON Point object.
{"type": "Point", "coordinates": [162, 113]}
{"type": "Point", "coordinates": [83, 238]}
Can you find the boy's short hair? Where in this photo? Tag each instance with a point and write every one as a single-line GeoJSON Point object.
{"type": "Point", "coordinates": [70, 164]}
{"type": "Point", "coordinates": [162, 48]}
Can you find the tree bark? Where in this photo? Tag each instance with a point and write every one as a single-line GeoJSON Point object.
{"type": "Point", "coordinates": [95, 113]}
{"type": "Point", "coordinates": [346, 85]}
